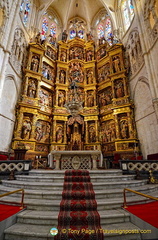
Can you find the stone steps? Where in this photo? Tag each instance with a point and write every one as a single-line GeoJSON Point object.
{"type": "Point", "coordinates": [59, 186]}
{"type": "Point", "coordinates": [109, 193]}
{"type": "Point", "coordinates": [21, 231]}
{"type": "Point", "coordinates": [58, 173]}
{"type": "Point", "coordinates": [57, 179]}
{"type": "Point", "coordinates": [43, 191]}
{"type": "Point", "coordinates": [54, 205]}
{"type": "Point", "coordinates": [51, 218]}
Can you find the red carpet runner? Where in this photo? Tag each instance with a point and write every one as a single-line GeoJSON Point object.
{"type": "Point", "coordinates": [147, 212]}
{"type": "Point", "coordinates": [78, 217]}
{"type": "Point", "coordinates": [7, 211]}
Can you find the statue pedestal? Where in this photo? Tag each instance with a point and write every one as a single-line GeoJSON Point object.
{"type": "Point", "coordinates": [20, 154]}
{"type": "Point", "coordinates": [75, 159]}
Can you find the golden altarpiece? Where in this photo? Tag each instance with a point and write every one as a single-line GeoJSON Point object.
{"type": "Point", "coordinates": [105, 122]}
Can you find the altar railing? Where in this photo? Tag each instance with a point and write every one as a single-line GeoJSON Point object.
{"type": "Point", "coordinates": [7, 166]}
{"type": "Point", "coordinates": [143, 166]}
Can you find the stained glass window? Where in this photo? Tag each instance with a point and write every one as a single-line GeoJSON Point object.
{"type": "Point", "coordinates": [44, 28]}
{"type": "Point", "coordinates": [72, 34]}
{"type": "Point", "coordinates": [26, 12]}
{"type": "Point", "coordinates": [49, 27]}
{"type": "Point", "coordinates": [22, 5]}
{"type": "Point", "coordinates": [128, 12]}
{"type": "Point", "coordinates": [131, 7]}
{"type": "Point", "coordinates": [108, 28]}
{"type": "Point", "coordinates": [104, 29]}
{"type": "Point", "coordinates": [53, 30]}
{"type": "Point", "coordinates": [81, 34]}
{"type": "Point", "coordinates": [25, 9]}
{"type": "Point", "coordinates": [100, 30]}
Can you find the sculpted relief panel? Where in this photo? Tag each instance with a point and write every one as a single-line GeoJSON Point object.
{"type": "Point", "coordinates": [134, 52]}
{"type": "Point", "coordinates": [18, 52]}
{"type": "Point", "coordinates": [151, 19]}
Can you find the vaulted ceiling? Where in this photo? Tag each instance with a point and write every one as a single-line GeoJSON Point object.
{"type": "Point", "coordinates": [86, 9]}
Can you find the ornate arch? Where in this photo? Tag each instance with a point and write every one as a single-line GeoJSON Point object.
{"type": "Point", "coordinates": [53, 21]}
{"type": "Point", "coordinates": [101, 17]}
{"type": "Point", "coordinates": [143, 80]}
{"type": "Point", "coordinates": [77, 27]}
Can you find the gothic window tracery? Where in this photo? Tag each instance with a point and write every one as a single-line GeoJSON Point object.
{"type": "Point", "coordinates": [127, 8]}
{"type": "Point", "coordinates": [49, 27]}
{"type": "Point", "coordinates": [104, 29]}
{"type": "Point", "coordinates": [25, 9]}
{"type": "Point", "coordinates": [77, 28]}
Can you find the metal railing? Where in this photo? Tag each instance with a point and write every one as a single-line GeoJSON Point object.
{"type": "Point", "coordinates": [138, 193]}
{"type": "Point", "coordinates": [22, 197]}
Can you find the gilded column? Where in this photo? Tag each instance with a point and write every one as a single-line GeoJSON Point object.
{"type": "Point", "coordinates": [66, 95]}
{"type": "Point", "coordinates": [26, 86]}
{"type": "Point", "coordinates": [19, 127]}
{"type": "Point", "coordinates": [38, 89]}
{"type": "Point", "coordinates": [95, 100]}
{"type": "Point", "coordinates": [86, 131]}
{"type": "Point", "coordinates": [96, 127]}
{"type": "Point", "coordinates": [113, 90]}
{"type": "Point", "coordinates": [29, 61]}
{"type": "Point", "coordinates": [65, 139]}
{"type": "Point", "coordinates": [130, 125]}
{"type": "Point", "coordinates": [54, 130]}
{"type": "Point", "coordinates": [125, 87]}
{"type": "Point", "coordinates": [40, 65]}
{"type": "Point", "coordinates": [32, 137]}
{"type": "Point", "coordinates": [86, 99]}
{"type": "Point", "coordinates": [57, 92]}
{"type": "Point", "coordinates": [117, 127]}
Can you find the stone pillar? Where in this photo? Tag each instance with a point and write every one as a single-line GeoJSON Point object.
{"type": "Point", "coordinates": [94, 159]}
{"type": "Point", "coordinates": [155, 104]}
{"type": "Point", "coordinates": [57, 159]}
